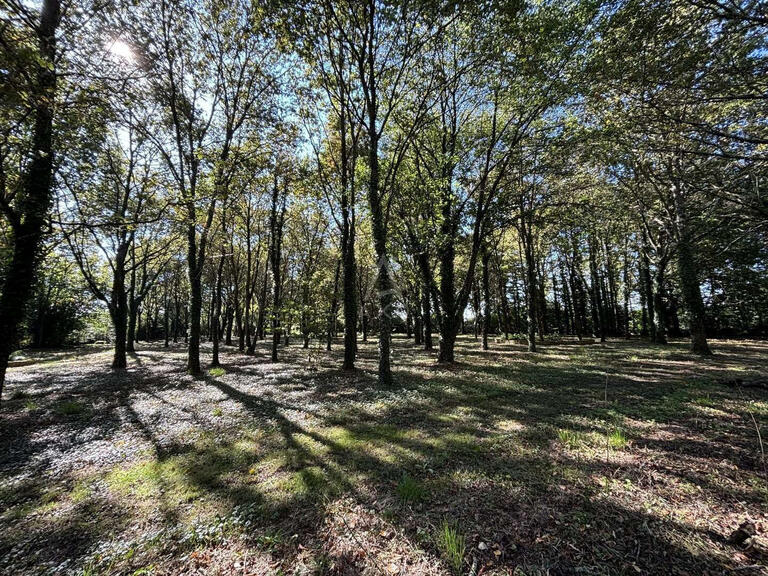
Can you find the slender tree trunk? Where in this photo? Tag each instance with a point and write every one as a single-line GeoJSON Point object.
{"type": "Point", "coordinates": [486, 296]}
{"type": "Point", "coordinates": [166, 317]}
{"type": "Point", "coordinates": [659, 305]}
{"type": "Point", "coordinates": [504, 302]}
{"type": "Point", "coordinates": [598, 311]}
{"type": "Point", "coordinates": [334, 306]}
{"type": "Point", "coordinates": [276, 236]}
{"type": "Point", "coordinates": [449, 323]}
{"type": "Point", "coordinates": [647, 287]}
{"type": "Point", "coordinates": [426, 314]}
{"type": "Point", "coordinates": [195, 304]}
{"type": "Point", "coordinates": [262, 317]}
{"type": "Point", "coordinates": [216, 313]}
{"type": "Point", "coordinates": [627, 289]}
{"type": "Point", "coordinates": [348, 240]}
{"type": "Point", "coordinates": [531, 291]}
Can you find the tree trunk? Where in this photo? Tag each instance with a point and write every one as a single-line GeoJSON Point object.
{"type": "Point", "coordinates": [277, 215]}
{"type": "Point", "coordinates": [486, 296]}
{"type": "Point", "coordinates": [646, 287]}
{"type": "Point", "coordinates": [598, 311]}
{"type": "Point", "coordinates": [334, 307]}
{"type": "Point", "coordinates": [659, 305]}
{"type": "Point", "coordinates": [530, 290]}
{"type": "Point", "coordinates": [216, 320]}
{"type": "Point", "coordinates": [689, 280]}
{"type": "Point", "coordinates": [195, 304]}
{"type": "Point", "coordinates": [119, 309]}
{"type": "Point", "coordinates": [35, 193]}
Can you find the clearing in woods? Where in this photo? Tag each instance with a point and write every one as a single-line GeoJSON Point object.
{"type": "Point", "coordinates": [623, 458]}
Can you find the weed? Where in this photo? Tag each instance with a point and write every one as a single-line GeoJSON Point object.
{"type": "Point", "coordinates": [410, 490]}
{"type": "Point", "coordinates": [217, 411]}
{"type": "Point", "coordinates": [216, 372]}
{"type": "Point", "coordinates": [570, 438]}
{"type": "Point", "coordinates": [31, 406]}
{"type": "Point", "coordinates": [70, 408]}
{"type": "Point", "coordinates": [617, 440]}
{"type": "Point", "coordinates": [452, 545]}
{"type": "Point", "coordinates": [705, 401]}
{"type": "Point", "coordinates": [270, 540]}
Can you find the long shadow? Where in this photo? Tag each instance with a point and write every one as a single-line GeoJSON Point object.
{"type": "Point", "coordinates": [519, 490]}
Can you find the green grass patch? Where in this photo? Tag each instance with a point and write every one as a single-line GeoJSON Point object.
{"type": "Point", "coordinates": [452, 545]}
{"type": "Point", "coordinates": [410, 490]}
{"type": "Point", "coordinates": [71, 408]}
{"type": "Point", "coordinates": [617, 439]}
{"type": "Point", "coordinates": [569, 438]}
{"type": "Point", "coordinates": [216, 372]}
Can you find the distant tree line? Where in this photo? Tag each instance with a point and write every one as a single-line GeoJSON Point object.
{"type": "Point", "coordinates": [302, 171]}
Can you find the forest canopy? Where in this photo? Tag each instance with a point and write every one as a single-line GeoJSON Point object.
{"type": "Point", "coordinates": [235, 171]}
{"type": "Point", "coordinates": [405, 287]}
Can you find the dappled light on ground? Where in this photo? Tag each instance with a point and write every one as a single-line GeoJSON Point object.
{"type": "Point", "coordinates": [621, 458]}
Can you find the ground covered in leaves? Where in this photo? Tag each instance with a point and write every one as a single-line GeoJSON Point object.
{"type": "Point", "coordinates": [623, 458]}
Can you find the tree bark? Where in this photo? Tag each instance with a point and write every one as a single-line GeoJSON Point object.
{"type": "Point", "coordinates": [486, 296]}
{"type": "Point", "coordinates": [36, 191]}
{"type": "Point", "coordinates": [688, 273]}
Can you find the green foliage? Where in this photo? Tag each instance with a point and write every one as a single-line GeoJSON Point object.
{"type": "Point", "coordinates": [410, 490]}
{"type": "Point", "coordinates": [452, 545]}
{"type": "Point", "coordinates": [617, 439]}
{"type": "Point", "coordinates": [569, 438]}
{"type": "Point", "coordinates": [71, 408]}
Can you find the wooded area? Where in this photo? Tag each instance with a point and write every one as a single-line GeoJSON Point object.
{"type": "Point", "coordinates": [427, 274]}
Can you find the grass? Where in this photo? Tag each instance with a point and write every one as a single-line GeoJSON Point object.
{"type": "Point", "coordinates": [217, 372]}
{"type": "Point", "coordinates": [409, 490]}
{"type": "Point", "coordinates": [452, 545]}
{"type": "Point", "coordinates": [569, 438]}
{"type": "Point", "coordinates": [617, 440]}
{"type": "Point", "coordinates": [71, 408]}
{"type": "Point", "coordinates": [307, 469]}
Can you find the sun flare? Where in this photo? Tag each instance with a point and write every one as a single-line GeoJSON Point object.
{"type": "Point", "coordinates": [122, 50]}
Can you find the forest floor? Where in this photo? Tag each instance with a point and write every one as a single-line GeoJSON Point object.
{"type": "Point", "coordinates": [622, 458]}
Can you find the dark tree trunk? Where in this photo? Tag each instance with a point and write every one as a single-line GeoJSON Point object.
{"type": "Point", "coordinates": [627, 289]}
{"type": "Point", "coordinates": [646, 287]}
{"type": "Point", "coordinates": [598, 311]}
{"type": "Point", "coordinates": [118, 309]}
{"type": "Point", "coordinates": [195, 304]}
{"type": "Point", "coordinates": [659, 304]}
{"type": "Point", "coordinates": [486, 296]}
{"type": "Point", "coordinates": [277, 216]}
{"type": "Point", "coordinates": [689, 276]}
{"type": "Point", "coordinates": [216, 313]}
{"type": "Point", "coordinates": [166, 318]}
{"type": "Point", "coordinates": [27, 224]}
{"type": "Point", "coordinates": [334, 307]}
{"type": "Point", "coordinates": [531, 291]}
{"type": "Point", "coordinates": [261, 325]}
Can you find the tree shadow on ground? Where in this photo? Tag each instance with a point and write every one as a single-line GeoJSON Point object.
{"type": "Point", "coordinates": [483, 440]}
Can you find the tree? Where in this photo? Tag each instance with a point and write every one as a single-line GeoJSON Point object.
{"type": "Point", "coordinates": [25, 200]}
